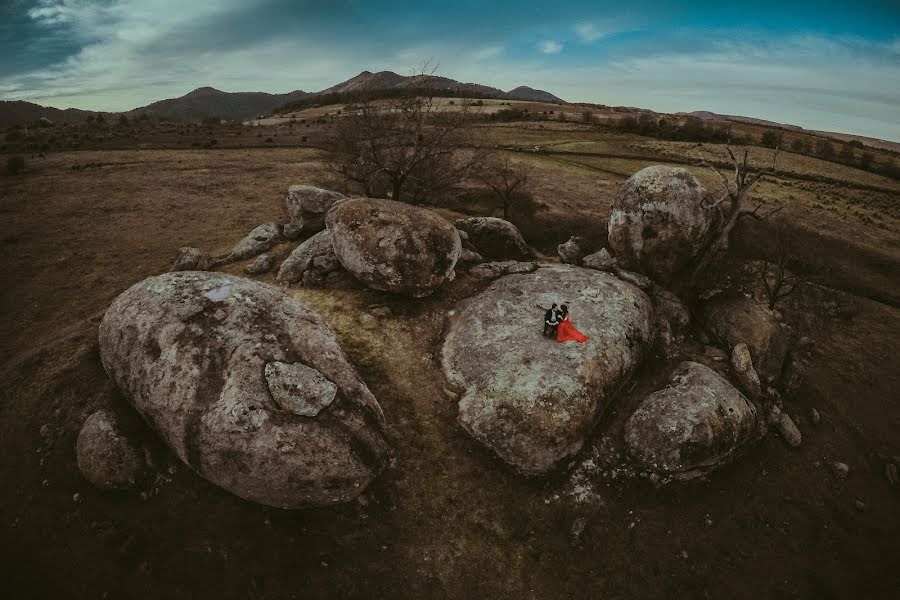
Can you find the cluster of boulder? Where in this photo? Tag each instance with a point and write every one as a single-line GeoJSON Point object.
{"type": "Point", "coordinates": [250, 388]}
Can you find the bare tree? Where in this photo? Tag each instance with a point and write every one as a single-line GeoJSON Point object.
{"type": "Point", "coordinates": [508, 181]}
{"type": "Point", "coordinates": [773, 273]}
{"type": "Point", "coordinates": [404, 146]}
{"type": "Point", "coordinates": [730, 207]}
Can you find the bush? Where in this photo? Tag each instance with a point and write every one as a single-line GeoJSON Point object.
{"type": "Point", "coordinates": [15, 164]}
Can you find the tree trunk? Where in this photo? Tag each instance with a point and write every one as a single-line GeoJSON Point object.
{"type": "Point", "coordinates": [397, 184]}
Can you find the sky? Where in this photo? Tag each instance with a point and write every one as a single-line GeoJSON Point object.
{"type": "Point", "coordinates": [821, 65]}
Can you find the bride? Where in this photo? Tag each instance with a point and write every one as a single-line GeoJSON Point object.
{"type": "Point", "coordinates": [566, 331]}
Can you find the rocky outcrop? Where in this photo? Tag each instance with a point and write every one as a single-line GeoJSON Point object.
{"type": "Point", "coordinates": [105, 454]}
{"type": "Point", "coordinates": [658, 223]}
{"type": "Point", "coordinates": [493, 270]}
{"type": "Point", "coordinates": [394, 247]}
{"type": "Point", "coordinates": [573, 250]}
{"type": "Point", "coordinates": [732, 318]}
{"type": "Point", "coordinates": [695, 424]}
{"type": "Point", "coordinates": [192, 259]}
{"type": "Point", "coordinates": [256, 242]}
{"type": "Point", "coordinates": [307, 206]}
{"type": "Point", "coordinates": [311, 261]}
{"type": "Point", "coordinates": [494, 239]}
{"type": "Point", "coordinates": [248, 387]}
{"type": "Point", "coordinates": [528, 398]}
{"type": "Point", "coordinates": [600, 260]}
{"type": "Point", "coordinates": [260, 265]}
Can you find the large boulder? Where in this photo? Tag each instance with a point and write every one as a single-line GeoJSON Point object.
{"type": "Point", "coordinates": [530, 399]}
{"type": "Point", "coordinates": [106, 456]}
{"type": "Point", "coordinates": [394, 247]}
{"type": "Point", "coordinates": [248, 386]}
{"type": "Point", "coordinates": [311, 260]}
{"type": "Point", "coordinates": [307, 206]}
{"type": "Point", "coordinates": [696, 423]}
{"type": "Point", "coordinates": [658, 223]}
{"type": "Point", "coordinates": [493, 238]}
{"type": "Point", "coordinates": [732, 318]}
{"type": "Point", "coordinates": [256, 242]}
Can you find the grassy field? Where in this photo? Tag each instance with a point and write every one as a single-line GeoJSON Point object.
{"type": "Point", "coordinates": [446, 520]}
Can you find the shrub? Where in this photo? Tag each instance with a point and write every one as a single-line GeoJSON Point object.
{"type": "Point", "coordinates": [15, 164]}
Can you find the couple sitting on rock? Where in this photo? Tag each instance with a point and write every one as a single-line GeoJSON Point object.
{"type": "Point", "coordinates": [557, 325]}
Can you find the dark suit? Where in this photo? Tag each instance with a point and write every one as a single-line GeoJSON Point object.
{"type": "Point", "coordinates": [551, 322]}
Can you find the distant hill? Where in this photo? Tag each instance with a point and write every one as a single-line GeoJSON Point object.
{"type": "Point", "coordinates": [846, 137]}
{"type": "Point", "coordinates": [17, 111]}
{"type": "Point", "coordinates": [523, 92]}
{"type": "Point", "coordinates": [209, 102]}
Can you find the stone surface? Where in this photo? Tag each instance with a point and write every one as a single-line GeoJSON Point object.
{"type": "Point", "coordinates": [573, 250]}
{"type": "Point", "coordinates": [840, 470]}
{"type": "Point", "coordinates": [494, 239]}
{"type": "Point", "coordinates": [191, 352]}
{"type": "Point", "coordinates": [261, 264]}
{"type": "Point", "coordinates": [732, 318]}
{"type": "Point", "coordinates": [784, 424]}
{"type": "Point", "coordinates": [256, 242]}
{"type": "Point", "coordinates": [192, 259]}
{"type": "Point", "coordinates": [636, 279]}
{"type": "Point", "coordinates": [307, 206]}
{"type": "Point", "coordinates": [695, 424]}
{"type": "Point", "coordinates": [501, 268]}
{"type": "Point", "coordinates": [304, 259]}
{"type": "Point", "coordinates": [746, 375]}
{"type": "Point", "coordinates": [394, 247]}
{"type": "Point", "coordinates": [528, 398]}
{"type": "Point", "coordinates": [670, 311]}
{"type": "Point", "coordinates": [106, 456]}
{"type": "Point", "coordinates": [600, 260]}
{"type": "Point", "coordinates": [658, 222]}
{"type": "Point", "coordinates": [292, 231]}
{"type": "Point", "coordinates": [469, 257]}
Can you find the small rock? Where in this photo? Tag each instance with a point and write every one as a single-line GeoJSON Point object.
{"type": "Point", "coordinates": [368, 321]}
{"type": "Point", "coordinates": [256, 242]}
{"type": "Point", "coordinates": [572, 251]}
{"type": "Point", "coordinates": [859, 504]}
{"type": "Point", "coordinates": [601, 261]}
{"type": "Point", "coordinates": [814, 417]}
{"type": "Point", "coordinates": [743, 369]}
{"type": "Point", "coordinates": [463, 236]}
{"type": "Point", "coordinates": [578, 528]}
{"type": "Point", "coordinates": [470, 257]}
{"type": "Point", "coordinates": [292, 230]}
{"type": "Point", "coordinates": [380, 311]}
{"type": "Point", "coordinates": [785, 426]}
{"type": "Point", "coordinates": [890, 471]}
{"type": "Point", "coordinates": [262, 264]}
{"type": "Point", "coordinates": [192, 259]}
{"type": "Point", "coordinates": [840, 470]}
{"type": "Point", "coordinates": [105, 455]}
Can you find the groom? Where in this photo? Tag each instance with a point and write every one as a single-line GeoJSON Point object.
{"type": "Point", "coordinates": [551, 321]}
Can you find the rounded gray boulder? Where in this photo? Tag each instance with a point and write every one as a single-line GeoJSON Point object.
{"type": "Point", "coordinates": [307, 206]}
{"type": "Point", "coordinates": [106, 456]}
{"type": "Point", "coordinates": [695, 424]}
{"type": "Point", "coordinates": [733, 318]}
{"type": "Point", "coordinates": [313, 259]}
{"type": "Point", "coordinates": [659, 222]}
{"type": "Point", "coordinates": [394, 247]}
{"type": "Point", "coordinates": [529, 398]}
{"type": "Point", "coordinates": [256, 242]}
{"type": "Point", "coordinates": [493, 238]}
{"type": "Point", "coordinates": [248, 386]}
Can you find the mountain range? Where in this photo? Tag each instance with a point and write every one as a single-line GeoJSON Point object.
{"type": "Point", "coordinates": [209, 102]}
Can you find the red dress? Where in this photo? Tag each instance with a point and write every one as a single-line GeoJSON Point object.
{"type": "Point", "coordinates": [566, 332]}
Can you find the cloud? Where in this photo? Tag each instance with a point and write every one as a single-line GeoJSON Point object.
{"type": "Point", "coordinates": [589, 32]}
{"type": "Point", "coordinates": [550, 47]}
{"type": "Point", "coordinates": [487, 53]}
